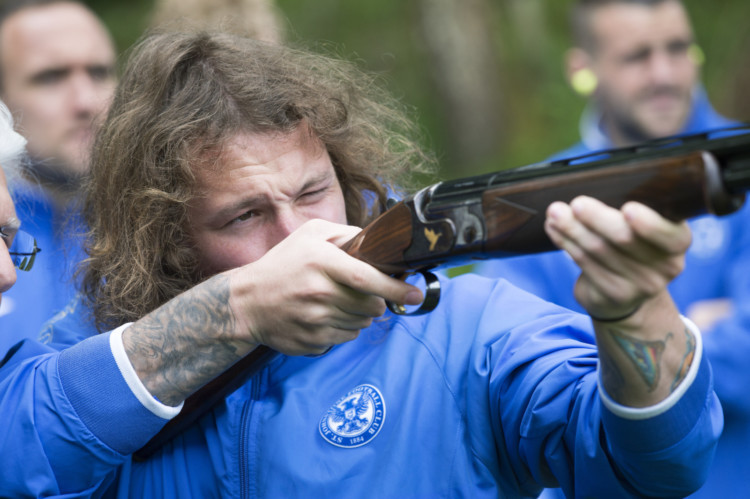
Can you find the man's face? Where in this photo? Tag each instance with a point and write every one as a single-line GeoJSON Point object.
{"type": "Point", "coordinates": [58, 77]}
{"type": "Point", "coordinates": [644, 67]}
{"type": "Point", "coordinates": [8, 226]}
{"type": "Point", "coordinates": [265, 187]}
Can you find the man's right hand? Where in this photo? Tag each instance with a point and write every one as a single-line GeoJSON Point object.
{"type": "Point", "coordinates": [306, 294]}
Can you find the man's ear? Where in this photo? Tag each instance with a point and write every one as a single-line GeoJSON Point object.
{"type": "Point", "coordinates": [579, 72]}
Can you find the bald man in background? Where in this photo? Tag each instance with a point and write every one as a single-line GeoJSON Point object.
{"type": "Point", "coordinates": [57, 76]}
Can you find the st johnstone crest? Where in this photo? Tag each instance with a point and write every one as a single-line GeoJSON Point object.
{"type": "Point", "coordinates": [355, 419]}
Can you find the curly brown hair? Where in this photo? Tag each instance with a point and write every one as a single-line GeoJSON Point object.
{"type": "Point", "coordinates": [181, 97]}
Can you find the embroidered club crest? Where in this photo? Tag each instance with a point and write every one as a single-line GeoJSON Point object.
{"type": "Point", "coordinates": [355, 419]}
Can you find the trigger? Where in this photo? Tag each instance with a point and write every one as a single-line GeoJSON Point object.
{"type": "Point", "coordinates": [431, 296]}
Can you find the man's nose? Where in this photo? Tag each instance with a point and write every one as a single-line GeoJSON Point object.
{"type": "Point", "coordinates": [663, 67]}
{"type": "Point", "coordinates": [87, 95]}
{"type": "Point", "coordinates": [287, 221]}
{"type": "Point", "coordinates": [7, 271]}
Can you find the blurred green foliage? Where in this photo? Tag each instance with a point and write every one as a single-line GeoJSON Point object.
{"type": "Point", "coordinates": [541, 112]}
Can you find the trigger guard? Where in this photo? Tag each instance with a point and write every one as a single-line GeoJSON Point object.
{"type": "Point", "coordinates": [431, 296]}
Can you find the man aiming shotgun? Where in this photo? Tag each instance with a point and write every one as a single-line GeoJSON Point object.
{"type": "Point", "coordinates": [255, 164]}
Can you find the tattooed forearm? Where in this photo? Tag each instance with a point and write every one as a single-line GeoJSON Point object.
{"type": "Point", "coordinates": [185, 343]}
{"type": "Point", "coordinates": [687, 360]}
{"type": "Point", "coordinates": [646, 356]}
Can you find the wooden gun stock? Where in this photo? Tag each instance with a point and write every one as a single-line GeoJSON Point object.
{"type": "Point", "coordinates": [502, 214]}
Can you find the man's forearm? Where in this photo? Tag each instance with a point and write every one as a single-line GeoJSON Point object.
{"type": "Point", "coordinates": [644, 359]}
{"type": "Point", "coordinates": [186, 342]}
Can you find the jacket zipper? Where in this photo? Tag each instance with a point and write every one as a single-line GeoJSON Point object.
{"type": "Point", "coordinates": [247, 430]}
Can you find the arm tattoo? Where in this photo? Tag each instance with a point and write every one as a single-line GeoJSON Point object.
{"type": "Point", "coordinates": [687, 360]}
{"type": "Point", "coordinates": [645, 355]}
{"type": "Point", "coordinates": [186, 342]}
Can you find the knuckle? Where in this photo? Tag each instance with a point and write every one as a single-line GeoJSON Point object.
{"type": "Point", "coordinates": [316, 317]}
{"type": "Point", "coordinates": [675, 266]}
{"type": "Point", "coordinates": [686, 241]}
{"type": "Point", "coordinates": [620, 294]}
{"type": "Point", "coordinates": [360, 278]}
{"type": "Point", "coordinates": [622, 238]}
{"type": "Point", "coordinates": [379, 308]}
{"type": "Point", "coordinates": [652, 284]}
{"type": "Point", "coordinates": [597, 246]}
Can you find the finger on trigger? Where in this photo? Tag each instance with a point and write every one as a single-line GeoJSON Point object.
{"type": "Point", "coordinates": [362, 277]}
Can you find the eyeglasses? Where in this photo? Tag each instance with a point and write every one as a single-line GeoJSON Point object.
{"type": "Point", "coordinates": [23, 250]}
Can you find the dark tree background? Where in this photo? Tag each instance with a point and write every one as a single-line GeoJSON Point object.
{"type": "Point", "coordinates": [485, 78]}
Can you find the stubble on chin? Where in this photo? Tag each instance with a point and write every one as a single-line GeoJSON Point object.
{"type": "Point", "coordinates": [659, 113]}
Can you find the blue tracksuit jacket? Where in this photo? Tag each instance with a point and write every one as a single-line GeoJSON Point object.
{"type": "Point", "coordinates": [493, 394]}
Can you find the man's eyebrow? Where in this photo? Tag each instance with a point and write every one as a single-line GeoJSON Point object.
{"type": "Point", "coordinates": [242, 204]}
{"type": "Point", "coordinates": [323, 177]}
{"type": "Point", "coordinates": [49, 73]}
{"type": "Point", "coordinates": [252, 201]}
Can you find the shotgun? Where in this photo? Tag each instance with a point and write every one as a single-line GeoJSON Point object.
{"type": "Point", "coordinates": [502, 214]}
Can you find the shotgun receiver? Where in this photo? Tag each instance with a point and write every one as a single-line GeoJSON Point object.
{"type": "Point", "coordinates": [502, 214]}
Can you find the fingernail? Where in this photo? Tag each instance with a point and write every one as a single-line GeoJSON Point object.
{"type": "Point", "coordinates": [579, 204]}
{"type": "Point", "coordinates": [414, 297]}
{"type": "Point", "coordinates": [630, 211]}
{"type": "Point", "coordinates": [553, 210]}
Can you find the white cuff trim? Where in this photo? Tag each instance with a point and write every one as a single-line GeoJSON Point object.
{"type": "Point", "coordinates": [626, 412]}
{"type": "Point", "coordinates": [134, 382]}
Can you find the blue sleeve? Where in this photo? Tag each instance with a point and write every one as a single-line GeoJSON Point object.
{"type": "Point", "coordinates": [549, 416]}
{"type": "Point", "coordinates": [598, 454]}
{"type": "Point", "coordinates": [67, 419]}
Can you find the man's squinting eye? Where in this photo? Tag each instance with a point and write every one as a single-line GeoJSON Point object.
{"type": "Point", "coordinates": [245, 216]}
{"type": "Point", "coordinates": [314, 193]}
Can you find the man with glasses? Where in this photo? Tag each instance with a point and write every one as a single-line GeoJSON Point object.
{"type": "Point", "coordinates": [20, 247]}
